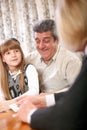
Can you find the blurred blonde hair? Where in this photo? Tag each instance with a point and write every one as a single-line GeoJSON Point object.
{"type": "Point", "coordinates": [71, 20]}
{"type": "Point", "coordinates": [8, 45]}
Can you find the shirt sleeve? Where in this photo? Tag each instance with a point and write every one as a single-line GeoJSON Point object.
{"type": "Point", "coordinates": [50, 100]}
{"type": "Point", "coordinates": [33, 81]}
{"type": "Point", "coordinates": [29, 115]}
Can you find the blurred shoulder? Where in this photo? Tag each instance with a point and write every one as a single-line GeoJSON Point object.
{"type": "Point", "coordinates": [69, 55]}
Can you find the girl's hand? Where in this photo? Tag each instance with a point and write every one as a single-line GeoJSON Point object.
{"type": "Point", "coordinates": [4, 104]}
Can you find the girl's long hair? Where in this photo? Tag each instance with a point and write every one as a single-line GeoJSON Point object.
{"type": "Point", "coordinates": [8, 45]}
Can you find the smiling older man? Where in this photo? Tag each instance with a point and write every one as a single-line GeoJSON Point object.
{"type": "Point", "coordinates": [57, 67]}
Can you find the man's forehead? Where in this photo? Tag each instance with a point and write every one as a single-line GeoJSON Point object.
{"type": "Point", "coordinates": [43, 35]}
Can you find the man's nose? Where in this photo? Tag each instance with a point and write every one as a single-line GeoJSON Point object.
{"type": "Point", "coordinates": [41, 45]}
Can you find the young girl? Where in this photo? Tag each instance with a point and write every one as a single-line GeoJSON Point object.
{"type": "Point", "coordinates": [16, 76]}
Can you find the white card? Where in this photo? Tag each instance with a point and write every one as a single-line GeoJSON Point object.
{"type": "Point", "coordinates": [14, 107]}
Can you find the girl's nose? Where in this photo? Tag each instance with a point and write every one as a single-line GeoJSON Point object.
{"type": "Point", "coordinates": [13, 53]}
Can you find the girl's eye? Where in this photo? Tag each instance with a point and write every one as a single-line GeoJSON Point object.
{"type": "Point", "coordinates": [7, 53]}
{"type": "Point", "coordinates": [17, 50]}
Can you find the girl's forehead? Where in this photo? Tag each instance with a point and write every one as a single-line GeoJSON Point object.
{"type": "Point", "coordinates": [10, 49]}
{"type": "Point", "coordinates": [13, 49]}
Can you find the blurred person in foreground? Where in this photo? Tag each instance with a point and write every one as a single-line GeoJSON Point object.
{"type": "Point", "coordinates": [69, 109]}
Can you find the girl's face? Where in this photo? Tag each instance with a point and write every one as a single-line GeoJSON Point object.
{"type": "Point", "coordinates": [12, 58]}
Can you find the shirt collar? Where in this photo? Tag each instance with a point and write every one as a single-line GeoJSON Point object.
{"type": "Point", "coordinates": [55, 56]}
{"type": "Point", "coordinates": [15, 74]}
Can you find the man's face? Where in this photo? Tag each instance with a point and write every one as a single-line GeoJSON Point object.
{"type": "Point", "coordinates": [46, 45]}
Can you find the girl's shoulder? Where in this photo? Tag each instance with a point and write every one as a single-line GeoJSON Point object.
{"type": "Point", "coordinates": [29, 66]}
{"type": "Point", "coordinates": [26, 66]}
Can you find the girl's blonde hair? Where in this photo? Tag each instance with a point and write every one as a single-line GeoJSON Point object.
{"type": "Point", "coordinates": [8, 45]}
{"type": "Point", "coordinates": [71, 20]}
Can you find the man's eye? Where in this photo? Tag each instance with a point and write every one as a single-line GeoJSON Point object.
{"type": "Point", "coordinates": [46, 40]}
{"type": "Point", "coordinates": [37, 41]}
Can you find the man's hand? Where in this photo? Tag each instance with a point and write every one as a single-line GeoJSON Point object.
{"type": "Point", "coordinates": [24, 110]}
